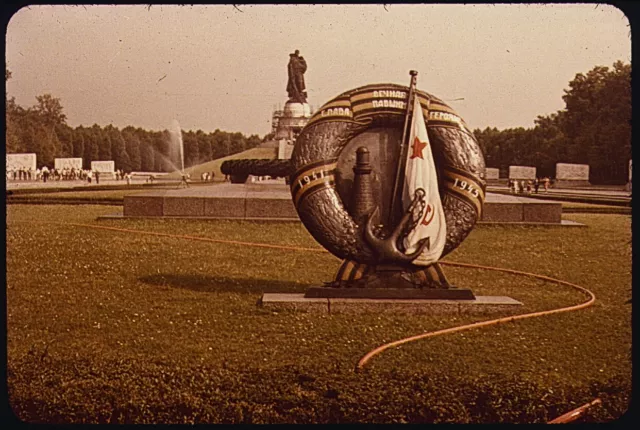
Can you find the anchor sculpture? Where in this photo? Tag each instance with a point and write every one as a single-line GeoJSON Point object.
{"type": "Point", "coordinates": [344, 160]}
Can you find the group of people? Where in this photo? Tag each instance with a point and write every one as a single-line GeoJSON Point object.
{"type": "Point", "coordinates": [65, 174]}
{"type": "Point", "coordinates": [44, 174]}
{"type": "Point", "coordinates": [521, 186]}
{"type": "Point", "coordinates": [207, 176]}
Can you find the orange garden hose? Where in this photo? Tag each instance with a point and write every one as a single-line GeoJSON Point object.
{"type": "Point", "coordinates": [570, 416]}
{"type": "Point", "coordinates": [203, 239]}
{"type": "Point", "coordinates": [574, 414]}
{"type": "Point", "coordinates": [589, 302]}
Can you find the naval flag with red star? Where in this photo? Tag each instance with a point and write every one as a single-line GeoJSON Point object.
{"type": "Point", "coordinates": [420, 172]}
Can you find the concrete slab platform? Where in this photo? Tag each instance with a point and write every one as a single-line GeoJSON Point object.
{"type": "Point", "coordinates": [391, 293]}
{"type": "Point", "coordinates": [297, 301]}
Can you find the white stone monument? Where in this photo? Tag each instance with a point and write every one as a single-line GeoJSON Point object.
{"type": "Point", "coordinates": [106, 169]}
{"type": "Point", "coordinates": [572, 175]}
{"type": "Point", "coordinates": [67, 163]}
{"type": "Point", "coordinates": [522, 172]}
{"type": "Point", "coordinates": [25, 161]}
{"type": "Point", "coordinates": [491, 173]}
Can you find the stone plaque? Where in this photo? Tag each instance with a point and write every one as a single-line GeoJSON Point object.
{"type": "Point", "coordinates": [522, 172]}
{"type": "Point", "coordinates": [68, 163]}
{"type": "Point", "coordinates": [103, 166]}
{"type": "Point", "coordinates": [576, 172]}
{"type": "Point", "coordinates": [24, 161]}
{"type": "Point", "coordinates": [491, 173]}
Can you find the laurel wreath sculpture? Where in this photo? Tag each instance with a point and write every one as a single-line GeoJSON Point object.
{"type": "Point", "coordinates": [245, 167]}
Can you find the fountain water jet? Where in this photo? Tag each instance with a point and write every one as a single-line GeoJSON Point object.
{"type": "Point", "coordinates": [176, 142]}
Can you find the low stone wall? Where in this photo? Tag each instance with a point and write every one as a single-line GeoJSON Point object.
{"type": "Point", "coordinates": [270, 201]}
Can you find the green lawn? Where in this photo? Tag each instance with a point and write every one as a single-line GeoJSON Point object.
{"type": "Point", "coordinates": [118, 327]}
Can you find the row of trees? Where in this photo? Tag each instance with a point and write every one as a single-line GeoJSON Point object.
{"type": "Point", "coordinates": [594, 128]}
{"type": "Point", "coordinates": [42, 129]}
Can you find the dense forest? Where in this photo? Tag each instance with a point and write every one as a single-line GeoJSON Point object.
{"type": "Point", "coordinates": [42, 129]}
{"type": "Point", "coordinates": [594, 128]}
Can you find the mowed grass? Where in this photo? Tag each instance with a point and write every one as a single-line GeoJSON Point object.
{"type": "Point", "coordinates": [107, 326]}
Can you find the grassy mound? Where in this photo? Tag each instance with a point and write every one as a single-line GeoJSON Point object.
{"type": "Point", "coordinates": [104, 326]}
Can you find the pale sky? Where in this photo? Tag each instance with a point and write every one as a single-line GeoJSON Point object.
{"type": "Point", "coordinates": [213, 66]}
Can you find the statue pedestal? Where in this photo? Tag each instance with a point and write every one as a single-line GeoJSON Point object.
{"type": "Point", "coordinates": [292, 120]}
{"type": "Point", "coordinates": [481, 305]}
{"type": "Point", "coordinates": [390, 293]}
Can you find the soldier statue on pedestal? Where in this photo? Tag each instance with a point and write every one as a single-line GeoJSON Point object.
{"type": "Point", "coordinates": [295, 85]}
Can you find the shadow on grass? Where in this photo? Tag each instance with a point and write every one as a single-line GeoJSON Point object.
{"type": "Point", "coordinates": [210, 284]}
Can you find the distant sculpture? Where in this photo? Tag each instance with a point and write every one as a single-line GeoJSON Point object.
{"type": "Point", "coordinates": [295, 86]}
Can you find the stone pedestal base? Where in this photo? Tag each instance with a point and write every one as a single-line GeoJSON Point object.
{"type": "Point", "coordinates": [390, 293]}
{"type": "Point", "coordinates": [481, 305]}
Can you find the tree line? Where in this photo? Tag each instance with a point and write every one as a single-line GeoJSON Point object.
{"type": "Point", "coordinates": [594, 128]}
{"type": "Point", "coordinates": [42, 129]}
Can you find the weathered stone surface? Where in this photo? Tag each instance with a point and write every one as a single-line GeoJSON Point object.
{"type": "Point", "coordinates": [431, 307]}
{"type": "Point", "coordinates": [297, 301]}
{"type": "Point", "coordinates": [293, 301]}
{"type": "Point", "coordinates": [144, 205]}
{"type": "Point", "coordinates": [522, 172]}
{"type": "Point", "coordinates": [224, 207]}
{"type": "Point", "coordinates": [269, 208]}
{"type": "Point", "coordinates": [491, 173]}
{"type": "Point", "coordinates": [103, 166]}
{"type": "Point", "coordinates": [25, 161]}
{"type": "Point", "coordinates": [183, 206]}
{"type": "Point", "coordinates": [502, 212]}
{"type": "Point", "coordinates": [67, 163]}
{"type": "Point", "coordinates": [391, 293]}
{"type": "Point", "coordinates": [261, 201]}
{"type": "Point", "coordinates": [542, 212]}
{"type": "Point", "coordinates": [572, 171]}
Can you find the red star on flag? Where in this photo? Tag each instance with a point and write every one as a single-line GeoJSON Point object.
{"type": "Point", "coordinates": [417, 148]}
